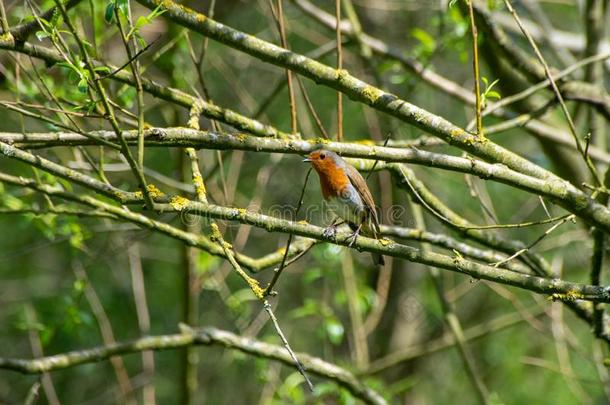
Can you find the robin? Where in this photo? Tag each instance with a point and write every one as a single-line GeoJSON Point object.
{"type": "Point", "coordinates": [344, 188]}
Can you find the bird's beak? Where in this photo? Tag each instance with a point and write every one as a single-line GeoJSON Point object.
{"type": "Point", "coordinates": [307, 160]}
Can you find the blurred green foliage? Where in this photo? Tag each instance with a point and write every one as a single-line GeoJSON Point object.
{"type": "Point", "coordinates": [533, 361]}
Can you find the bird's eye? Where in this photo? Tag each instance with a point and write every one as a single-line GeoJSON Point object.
{"type": "Point", "coordinates": [322, 156]}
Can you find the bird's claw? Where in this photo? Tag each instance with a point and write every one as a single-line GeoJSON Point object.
{"type": "Point", "coordinates": [353, 238]}
{"type": "Point", "coordinates": [330, 232]}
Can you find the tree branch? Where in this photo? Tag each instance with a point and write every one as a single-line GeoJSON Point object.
{"type": "Point", "coordinates": [556, 288]}
{"type": "Point", "coordinates": [205, 337]}
{"type": "Point", "coordinates": [559, 191]}
{"type": "Point", "coordinates": [343, 81]}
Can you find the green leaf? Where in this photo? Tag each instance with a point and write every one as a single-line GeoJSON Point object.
{"type": "Point", "coordinates": [109, 13]}
{"type": "Point", "coordinates": [424, 38]}
{"type": "Point", "coordinates": [140, 22]}
{"type": "Point", "coordinates": [104, 69]}
{"type": "Point", "coordinates": [123, 6]}
{"type": "Point", "coordinates": [82, 85]}
{"type": "Point", "coordinates": [141, 42]}
{"type": "Point", "coordinates": [494, 94]}
{"type": "Point", "coordinates": [42, 35]}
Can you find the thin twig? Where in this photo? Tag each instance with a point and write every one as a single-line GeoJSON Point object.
{"type": "Point", "coordinates": [475, 68]}
{"type": "Point", "coordinates": [564, 108]}
{"type": "Point", "coordinates": [339, 68]}
{"type": "Point", "coordinates": [311, 109]}
{"type": "Point", "coordinates": [279, 18]}
{"type": "Point", "coordinates": [260, 294]}
{"type": "Point", "coordinates": [535, 242]}
{"type": "Point", "coordinates": [129, 61]}
{"type": "Point", "coordinates": [297, 363]}
{"type": "Point", "coordinates": [278, 271]}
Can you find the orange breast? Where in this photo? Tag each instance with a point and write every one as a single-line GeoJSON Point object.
{"type": "Point", "coordinates": [332, 181]}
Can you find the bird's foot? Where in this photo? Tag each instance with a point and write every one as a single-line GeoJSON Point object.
{"type": "Point", "coordinates": [353, 237]}
{"type": "Point", "coordinates": [330, 232]}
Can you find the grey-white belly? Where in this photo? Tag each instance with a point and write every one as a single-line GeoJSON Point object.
{"type": "Point", "coordinates": [348, 207]}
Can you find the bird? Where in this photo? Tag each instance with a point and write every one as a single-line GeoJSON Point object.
{"type": "Point", "coordinates": [347, 194]}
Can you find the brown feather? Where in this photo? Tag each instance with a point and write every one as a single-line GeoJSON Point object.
{"type": "Point", "coordinates": [360, 185]}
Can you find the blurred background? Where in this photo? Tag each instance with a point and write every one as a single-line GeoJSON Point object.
{"type": "Point", "coordinates": [72, 282]}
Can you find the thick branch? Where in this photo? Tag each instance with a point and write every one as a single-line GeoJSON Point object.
{"type": "Point", "coordinates": [390, 248]}
{"type": "Point", "coordinates": [555, 287]}
{"type": "Point", "coordinates": [206, 337]}
{"type": "Point", "coordinates": [346, 83]}
{"type": "Point", "coordinates": [560, 191]}
{"type": "Point", "coordinates": [536, 127]}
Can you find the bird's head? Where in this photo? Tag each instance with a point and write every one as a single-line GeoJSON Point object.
{"type": "Point", "coordinates": [323, 161]}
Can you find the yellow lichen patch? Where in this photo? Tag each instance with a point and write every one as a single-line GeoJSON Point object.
{"type": "Point", "coordinates": [456, 132]}
{"type": "Point", "coordinates": [371, 94]}
{"type": "Point", "coordinates": [167, 4]}
{"type": "Point", "coordinates": [303, 222]}
{"type": "Point", "coordinates": [154, 191]}
{"type": "Point", "coordinates": [199, 185]}
{"type": "Point", "coordinates": [569, 296]}
{"type": "Point", "coordinates": [256, 289]}
{"type": "Point", "coordinates": [241, 137]}
{"type": "Point", "coordinates": [242, 212]}
{"type": "Point", "coordinates": [7, 38]}
{"type": "Point", "coordinates": [178, 203]}
{"type": "Point", "coordinates": [365, 142]}
{"type": "Point", "coordinates": [341, 74]}
{"type": "Point", "coordinates": [215, 235]}
{"type": "Point", "coordinates": [385, 241]}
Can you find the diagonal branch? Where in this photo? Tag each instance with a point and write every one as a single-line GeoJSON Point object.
{"type": "Point", "coordinates": [353, 87]}
{"type": "Point", "coordinates": [560, 191]}
{"type": "Point", "coordinates": [555, 288]}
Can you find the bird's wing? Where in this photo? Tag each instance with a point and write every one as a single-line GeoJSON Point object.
{"type": "Point", "coordinates": [360, 185]}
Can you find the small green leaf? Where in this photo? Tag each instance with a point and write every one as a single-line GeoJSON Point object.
{"type": "Point", "coordinates": [42, 35]}
{"type": "Point", "coordinates": [424, 38]}
{"type": "Point", "coordinates": [82, 85]}
{"type": "Point", "coordinates": [141, 42]}
{"type": "Point", "coordinates": [123, 6]}
{"type": "Point", "coordinates": [109, 14]}
{"type": "Point", "coordinates": [141, 21]}
{"type": "Point", "coordinates": [494, 94]}
{"type": "Point", "coordinates": [104, 69]}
